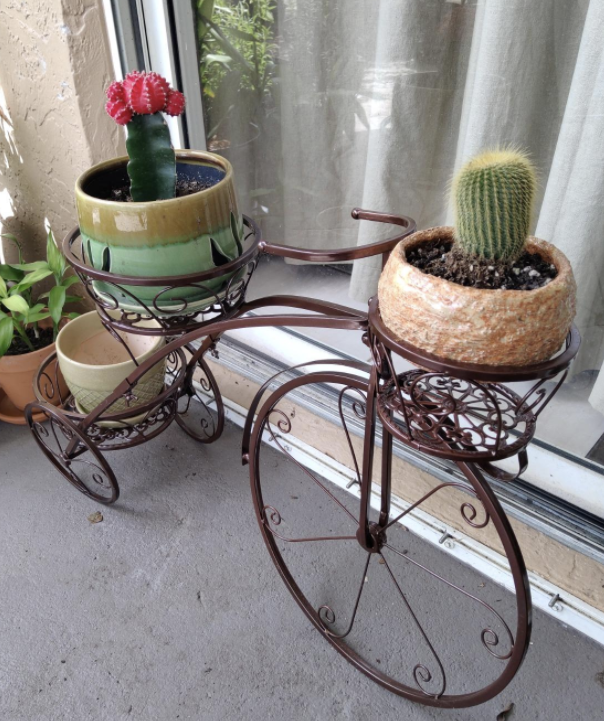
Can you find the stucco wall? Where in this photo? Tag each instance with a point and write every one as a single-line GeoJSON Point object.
{"type": "Point", "coordinates": [54, 66]}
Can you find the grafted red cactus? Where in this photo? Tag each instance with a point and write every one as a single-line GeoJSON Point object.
{"type": "Point", "coordinates": [142, 94]}
{"type": "Point", "coordinates": [147, 95]}
{"type": "Point", "coordinates": [119, 111]}
{"type": "Point", "coordinates": [137, 102]}
{"type": "Point", "coordinates": [175, 103]}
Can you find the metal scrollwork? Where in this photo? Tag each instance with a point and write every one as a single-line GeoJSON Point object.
{"type": "Point", "coordinates": [455, 418]}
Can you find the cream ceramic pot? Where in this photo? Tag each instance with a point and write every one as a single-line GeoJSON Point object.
{"type": "Point", "coordinates": [94, 363]}
{"type": "Point", "coordinates": [494, 327]}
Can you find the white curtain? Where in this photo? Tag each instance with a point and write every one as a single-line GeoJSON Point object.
{"type": "Point", "coordinates": [446, 80]}
{"type": "Point", "coordinates": [379, 101]}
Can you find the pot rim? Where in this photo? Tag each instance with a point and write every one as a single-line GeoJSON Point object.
{"type": "Point", "coordinates": [555, 256]}
{"type": "Point", "coordinates": [13, 358]}
{"type": "Point", "coordinates": [181, 155]}
{"type": "Point", "coordinates": [159, 341]}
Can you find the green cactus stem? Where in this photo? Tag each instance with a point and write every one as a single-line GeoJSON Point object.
{"type": "Point", "coordinates": [152, 165]}
{"type": "Point", "coordinates": [494, 195]}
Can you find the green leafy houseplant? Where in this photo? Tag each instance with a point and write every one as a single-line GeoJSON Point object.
{"type": "Point", "coordinates": [237, 68]}
{"type": "Point", "coordinates": [21, 310]}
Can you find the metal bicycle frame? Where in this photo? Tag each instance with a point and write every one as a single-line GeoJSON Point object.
{"type": "Point", "coordinates": [432, 408]}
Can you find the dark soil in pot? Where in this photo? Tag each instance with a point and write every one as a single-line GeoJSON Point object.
{"type": "Point", "coordinates": [43, 339]}
{"type": "Point", "coordinates": [184, 186]}
{"type": "Point", "coordinates": [114, 184]}
{"type": "Point", "coordinates": [440, 259]}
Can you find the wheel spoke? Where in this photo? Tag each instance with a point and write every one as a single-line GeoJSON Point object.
{"type": "Point", "coordinates": [284, 425]}
{"type": "Point", "coordinates": [421, 674]}
{"type": "Point", "coordinates": [327, 615]}
{"type": "Point", "coordinates": [271, 515]}
{"type": "Point", "coordinates": [466, 508]}
{"type": "Point", "coordinates": [487, 633]}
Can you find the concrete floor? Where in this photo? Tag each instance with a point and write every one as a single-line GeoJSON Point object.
{"type": "Point", "coordinates": [171, 608]}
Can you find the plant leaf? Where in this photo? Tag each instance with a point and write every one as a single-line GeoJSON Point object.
{"type": "Point", "coordinates": [36, 265]}
{"type": "Point", "coordinates": [69, 281]}
{"type": "Point", "coordinates": [360, 113]}
{"type": "Point", "coordinates": [9, 273]}
{"type": "Point", "coordinates": [31, 279]}
{"type": "Point", "coordinates": [216, 58]}
{"type": "Point", "coordinates": [6, 334]}
{"type": "Point", "coordinates": [3, 288]}
{"type": "Point", "coordinates": [12, 238]}
{"type": "Point", "coordinates": [35, 317]}
{"type": "Point", "coordinates": [241, 34]}
{"type": "Point", "coordinates": [55, 258]}
{"type": "Point", "coordinates": [16, 303]}
{"type": "Point", "coordinates": [56, 301]}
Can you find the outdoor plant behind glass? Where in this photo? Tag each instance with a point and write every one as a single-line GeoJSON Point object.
{"type": "Point", "coordinates": [21, 309]}
{"type": "Point", "coordinates": [236, 47]}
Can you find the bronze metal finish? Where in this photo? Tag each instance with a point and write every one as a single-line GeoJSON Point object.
{"type": "Point", "coordinates": [459, 411]}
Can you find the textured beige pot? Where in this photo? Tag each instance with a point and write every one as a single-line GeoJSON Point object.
{"type": "Point", "coordinates": [494, 327]}
{"type": "Point", "coordinates": [94, 363]}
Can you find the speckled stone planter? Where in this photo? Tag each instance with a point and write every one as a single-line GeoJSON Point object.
{"type": "Point", "coordinates": [179, 236]}
{"type": "Point", "coordinates": [494, 327]}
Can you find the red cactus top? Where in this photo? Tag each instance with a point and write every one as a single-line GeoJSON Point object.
{"type": "Point", "coordinates": [144, 94]}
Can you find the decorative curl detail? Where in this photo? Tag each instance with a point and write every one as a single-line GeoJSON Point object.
{"type": "Point", "coordinates": [490, 640]}
{"type": "Point", "coordinates": [469, 513]}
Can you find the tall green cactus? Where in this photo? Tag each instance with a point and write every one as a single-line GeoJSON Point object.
{"type": "Point", "coordinates": [494, 195]}
{"type": "Point", "coordinates": [152, 164]}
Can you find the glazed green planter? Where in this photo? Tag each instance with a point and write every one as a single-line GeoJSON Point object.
{"type": "Point", "coordinates": [179, 236]}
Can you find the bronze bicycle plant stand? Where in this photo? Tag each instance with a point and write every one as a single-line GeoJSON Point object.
{"type": "Point", "coordinates": [460, 412]}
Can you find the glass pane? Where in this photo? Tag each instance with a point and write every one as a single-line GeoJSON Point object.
{"type": "Point", "coordinates": [323, 106]}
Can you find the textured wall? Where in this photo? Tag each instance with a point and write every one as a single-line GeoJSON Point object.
{"type": "Point", "coordinates": [54, 66]}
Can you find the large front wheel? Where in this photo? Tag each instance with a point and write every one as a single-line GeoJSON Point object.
{"type": "Point", "coordinates": [413, 620]}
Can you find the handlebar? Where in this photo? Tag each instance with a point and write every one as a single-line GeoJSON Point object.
{"type": "Point", "coordinates": [346, 254]}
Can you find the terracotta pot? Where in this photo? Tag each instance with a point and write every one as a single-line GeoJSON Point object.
{"type": "Point", "coordinates": [178, 236]}
{"type": "Point", "coordinates": [493, 327]}
{"type": "Point", "coordinates": [17, 373]}
{"type": "Point", "coordinates": [94, 363]}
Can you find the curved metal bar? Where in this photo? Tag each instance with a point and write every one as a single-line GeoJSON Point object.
{"type": "Point", "coordinates": [327, 615]}
{"type": "Point", "coordinates": [498, 616]}
{"type": "Point", "coordinates": [502, 475]}
{"type": "Point", "coordinates": [251, 415]}
{"type": "Point", "coordinates": [346, 254]}
{"type": "Point", "coordinates": [449, 484]}
{"type": "Point", "coordinates": [420, 673]}
{"type": "Point", "coordinates": [167, 281]}
{"type": "Point", "coordinates": [311, 304]}
{"type": "Point", "coordinates": [275, 518]}
{"type": "Point", "coordinates": [221, 326]}
{"type": "Point", "coordinates": [284, 425]}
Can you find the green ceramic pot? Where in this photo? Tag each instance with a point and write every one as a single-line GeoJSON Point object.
{"type": "Point", "coordinates": [179, 236]}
